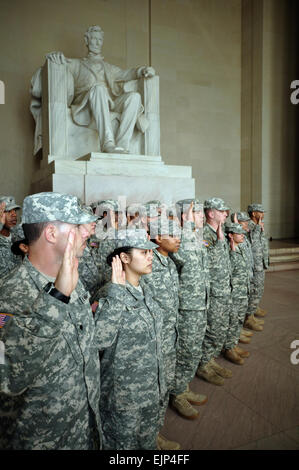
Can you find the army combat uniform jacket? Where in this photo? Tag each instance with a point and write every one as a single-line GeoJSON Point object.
{"type": "Point", "coordinates": [219, 263]}
{"type": "Point", "coordinates": [194, 285]}
{"type": "Point", "coordinates": [240, 281]}
{"type": "Point", "coordinates": [192, 264]}
{"type": "Point", "coordinates": [88, 270]}
{"type": "Point", "coordinates": [259, 246]}
{"type": "Point", "coordinates": [164, 284]}
{"type": "Point", "coordinates": [50, 375]}
{"type": "Point", "coordinates": [8, 260]}
{"type": "Point", "coordinates": [132, 379]}
{"type": "Point", "coordinates": [219, 311]}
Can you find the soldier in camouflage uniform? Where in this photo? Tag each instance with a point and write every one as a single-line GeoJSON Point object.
{"type": "Point", "coordinates": [50, 373]}
{"type": "Point", "coordinates": [152, 211]}
{"type": "Point", "coordinates": [8, 260]}
{"type": "Point", "coordinates": [191, 263]}
{"type": "Point", "coordinates": [136, 216]}
{"type": "Point", "coordinates": [88, 268]}
{"type": "Point", "coordinates": [240, 281]}
{"type": "Point", "coordinates": [132, 379]}
{"type": "Point", "coordinates": [243, 218]}
{"type": "Point", "coordinates": [220, 294]}
{"type": "Point", "coordinates": [110, 215]}
{"type": "Point", "coordinates": [164, 283]}
{"type": "Point", "coordinates": [259, 246]}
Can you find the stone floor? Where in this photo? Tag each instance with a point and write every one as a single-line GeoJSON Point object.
{"type": "Point", "coordinates": [258, 408]}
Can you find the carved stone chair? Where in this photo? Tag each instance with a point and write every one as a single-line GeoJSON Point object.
{"type": "Point", "coordinates": [58, 135]}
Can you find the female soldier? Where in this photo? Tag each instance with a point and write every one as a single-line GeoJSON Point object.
{"type": "Point", "coordinates": [132, 382]}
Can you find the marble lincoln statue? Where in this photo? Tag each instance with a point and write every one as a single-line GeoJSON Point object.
{"type": "Point", "coordinates": [99, 89]}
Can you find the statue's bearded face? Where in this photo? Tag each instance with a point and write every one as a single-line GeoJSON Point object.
{"type": "Point", "coordinates": [95, 42]}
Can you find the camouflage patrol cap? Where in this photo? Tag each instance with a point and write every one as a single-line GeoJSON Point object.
{"type": "Point", "coordinates": [134, 238]}
{"type": "Point", "coordinates": [234, 228]}
{"type": "Point", "coordinates": [255, 207]}
{"type": "Point", "coordinates": [241, 216]}
{"type": "Point", "coordinates": [107, 204]}
{"type": "Point", "coordinates": [216, 203]}
{"type": "Point", "coordinates": [87, 208]}
{"type": "Point", "coordinates": [10, 203]}
{"type": "Point", "coordinates": [155, 202]}
{"type": "Point", "coordinates": [184, 204]}
{"type": "Point", "coordinates": [164, 226]}
{"type": "Point", "coordinates": [49, 207]}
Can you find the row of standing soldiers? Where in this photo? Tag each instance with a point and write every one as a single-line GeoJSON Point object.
{"type": "Point", "coordinates": [209, 288]}
{"type": "Point", "coordinates": [206, 283]}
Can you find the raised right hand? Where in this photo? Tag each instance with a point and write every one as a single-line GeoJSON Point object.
{"type": "Point", "coordinates": [67, 277]}
{"type": "Point", "coordinates": [219, 232]}
{"type": "Point", "coordinates": [232, 244]}
{"type": "Point", "coordinates": [190, 215]}
{"type": "Point", "coordinates": [118, 274]}
{"type": "Point", "coordinates": [2, 213]}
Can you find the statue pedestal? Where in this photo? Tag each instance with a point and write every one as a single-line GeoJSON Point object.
{"type": "Point", "coordinates": [97, 176]}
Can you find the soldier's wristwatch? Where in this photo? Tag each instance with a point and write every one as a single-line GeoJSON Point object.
{"type": "Point", "coordinates": [51, 290]}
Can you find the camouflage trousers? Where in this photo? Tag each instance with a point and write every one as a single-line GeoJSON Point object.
{"type": "Point", "coordinates": [132, 429]}
{"type": "Point", "coordinates": [256, 291]}
{"type": "Point", "coordinates": [191, 331]}
{"type": "Point", "coordinates": [237, 317]}
{"type": "Point", "coordinates": [217, 327]}
{"type": "Point", "coordinates": [169, 365]}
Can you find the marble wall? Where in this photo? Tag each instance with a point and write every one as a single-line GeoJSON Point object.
{"type": "Point", "coordinates": [196, 46]}
{"type": "Point", "coordinates": [269, 130]}
{"type": "Point", "coordinates": [280, 118]}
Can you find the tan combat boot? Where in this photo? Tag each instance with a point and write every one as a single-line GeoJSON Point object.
{"type": "Point", "coordinates": [246, 333]}
{"type": "Point", "coordinates": [260, 312]}
{"type": "Point", "coordinates": [244, 339]}
{"type": "Point", "coordinates": [241, 352]}
{"type": "Point", "coordinates": [259, 321]}
{"type": "Point", "coordinates": [209, 374]}
{"type": "Point", "coordinates": [183, 407]}
{"type": "Point", "coordinates": [232, 356]}
{"type": "Point", "coordinates": [252, 325]}
{"type": "Point", "coordinates": [195, 398]}
{"type": "Point", "coordinates": [165, 444]}
{"type": "Point", "coordinates": [222, 371]}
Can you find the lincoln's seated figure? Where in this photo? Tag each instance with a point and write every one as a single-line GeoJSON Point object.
{"type": "Point", "coordinates": [97, 94]}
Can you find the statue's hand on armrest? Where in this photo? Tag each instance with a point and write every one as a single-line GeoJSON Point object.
{"type": "Point", "coordinates": [57, 58]}
{"type": "Point", "coordinates": [146, 72]}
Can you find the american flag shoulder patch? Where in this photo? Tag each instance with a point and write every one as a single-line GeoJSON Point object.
{"type": "Point", "coordinates": [94, 244]}
{"type": "Point", "coordinates": [4, 317]}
